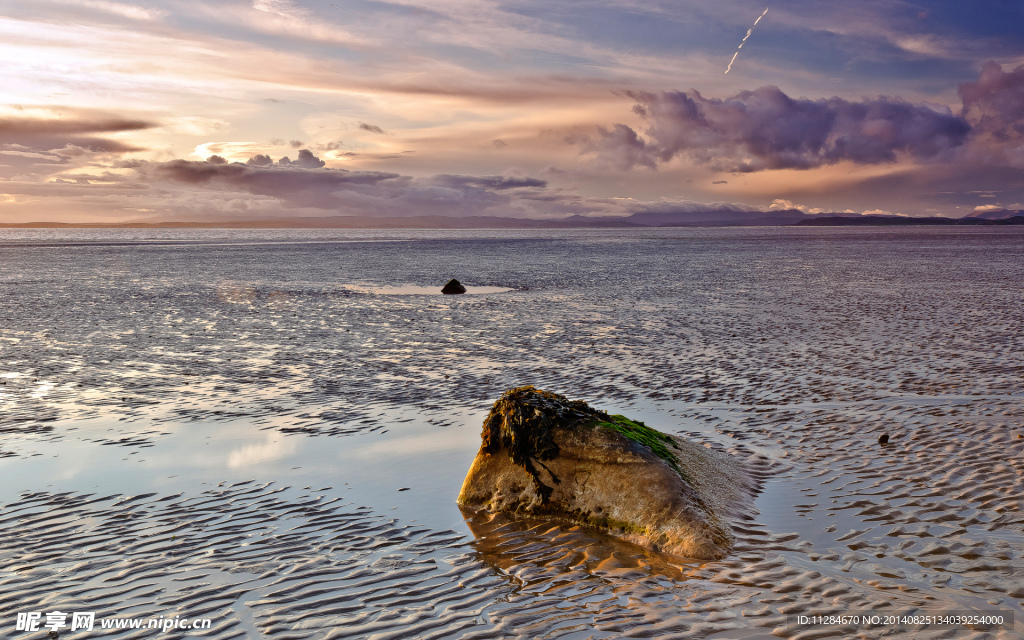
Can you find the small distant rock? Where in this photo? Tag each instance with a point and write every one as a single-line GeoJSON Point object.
{"type": "Point", "coordinates": [453, 286]}
{"type": "Point", "coordinates": [883, 439]}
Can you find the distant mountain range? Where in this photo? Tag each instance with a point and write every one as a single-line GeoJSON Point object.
{"type": "Point", "coordinates": [707, 218]}
{"type": "Point", "coordinates": [1010, 218]}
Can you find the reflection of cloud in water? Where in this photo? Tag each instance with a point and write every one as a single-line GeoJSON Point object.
{"type": "Point", "coordinates": [275, 448]}
{"type": "Point", "coordinates": [455, 440]}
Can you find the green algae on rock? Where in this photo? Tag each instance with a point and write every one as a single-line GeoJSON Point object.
{"type": "Point", "coordinates": [544, 455]}
{"type": "Point", "coordinates": [653, 439]}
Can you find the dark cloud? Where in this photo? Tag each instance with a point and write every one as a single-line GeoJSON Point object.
{"type": "Point", "coordinates": [766, 129]}
{"type": "Point", "coordinates": [619, 146]}
{"type": "Point", "coordinates": [499, 143]}
{"type": "Point", "coordinates": [293, 182]}
{"type": "Point", "coordinates": [994, 105]}
{"type": "Point", "coordinates": [215, 159]}
{"type": "Point", "coordinates": [55, 133]}
{"type": "Point", "coordinates": [259, 160]}
{"type": "Point", "coordinates": [130, 163]}
{"type": "Point", "coordinates": [306, 160]}
{"type": "Point", "coordinates": [279, 176]}
{"type": "Point", "coordinates": [495, 183]}
{"type": "Point", "coordinates": [313, 186]}
{"type": "Point", "coordinates": [372, 128]}
{"type": "Point", "coordinates": [295, 144]}
{"type": "Point", "coordinates": [14, 126]}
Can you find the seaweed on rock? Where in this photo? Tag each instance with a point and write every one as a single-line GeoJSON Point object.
{"type": "Point", "coordinates": [522, 420]}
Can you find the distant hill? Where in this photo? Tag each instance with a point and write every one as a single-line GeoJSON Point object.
{"type": "Point", "coordinates": [995, 214]}
{"type": "Point", "coordinates": [645, 219]}
{"type": "Point", "coordinates": [904, 221]}
{"type": "Point", "coordinates": [354, 222]}
{"type": "Point", "coordinates": [708, 218]}
{"type": "Point", "coordinates": [718, 218]}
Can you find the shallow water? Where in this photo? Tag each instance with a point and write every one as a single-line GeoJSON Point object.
{"type": "Point", "coordinates": [269, 428]}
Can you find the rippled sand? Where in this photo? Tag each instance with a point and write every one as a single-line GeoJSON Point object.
{"type": "Point", "coordinates": [257, 428]}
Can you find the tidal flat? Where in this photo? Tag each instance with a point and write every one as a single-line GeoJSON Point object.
{"type": "Point", "coordinates": [269, 428]}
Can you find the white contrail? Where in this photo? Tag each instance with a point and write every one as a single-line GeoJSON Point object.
{"type": "Point", "coordinates": [749, 31]}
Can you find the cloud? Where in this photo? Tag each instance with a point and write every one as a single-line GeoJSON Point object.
{"type": "Point", "coordinates": [280, 7]}
{"type": "Point", "coordinates": [306, 183]}
{"type": "Point", "coordinates": [766, 129]}
{"type": "Point", "coordinates": [55, 126]}
{"type": "Point", "coordinates": [620, 147]}
{"type": "Point", "coordinates": [372, 128]}
{"type": "Point", "coordinates": [35, 147]}
{"type": "Point", "coordinates": [781, 204]}
{"type": "Point", "coordinates": [129, 163]}
{"type": "Point", "coordinates": [994, 105]}
{"type": "Point", "coordinates": [129, 11]}
{"type": "Point", "coordinates": [54, 133]}
{"type": "Point", "coordinates": [260, 160]}
{"type": "Point", "coordinates": [288, 178]}
{"type": "Point", "coordinates": [306, 160]}
{"type": "Point", "coordinates": [496, 183]}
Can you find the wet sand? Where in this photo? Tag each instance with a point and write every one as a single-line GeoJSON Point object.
{"type": "Point", "coordinates": [269, 429]}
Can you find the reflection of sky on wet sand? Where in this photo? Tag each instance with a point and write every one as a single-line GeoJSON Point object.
{"type": "Point", "coordinates": [371, 468]}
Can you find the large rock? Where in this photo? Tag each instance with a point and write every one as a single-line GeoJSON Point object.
{"type": "Point", "coordinates": [453, 286]}
{"type": "Point", "coordinates": [544, 455]}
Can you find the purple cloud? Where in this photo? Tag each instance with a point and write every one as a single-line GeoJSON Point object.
{"type": "Point", "coordinates": [306, 183]}
{"type": "Point", "coordinates": [766, 129]}
{"type": "Point", "coordinates": [994, 105]}
{"type": "Point", "coordinates": [495, 183]}
{"type": "Point", "coordinates": [306, 160]}
{"type": "Point", "coordinates": [55, 133]}
{"type": "Point", "coordinates": [619, 146]}
{"type": "Point", "coordinates": [259, 160]}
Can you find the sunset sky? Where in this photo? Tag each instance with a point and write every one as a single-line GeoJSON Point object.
{"type": "Point", "coordinates": [242, 109]}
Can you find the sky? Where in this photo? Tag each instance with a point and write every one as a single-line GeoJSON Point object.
{"type": "Point", "coordinates": [244, 109]}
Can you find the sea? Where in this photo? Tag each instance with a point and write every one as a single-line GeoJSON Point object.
{"type": "Point", "coordinates": [262, 433]}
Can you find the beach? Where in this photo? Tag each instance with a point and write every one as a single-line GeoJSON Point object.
{"type": "Point", "coordinates": [268, 429]}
